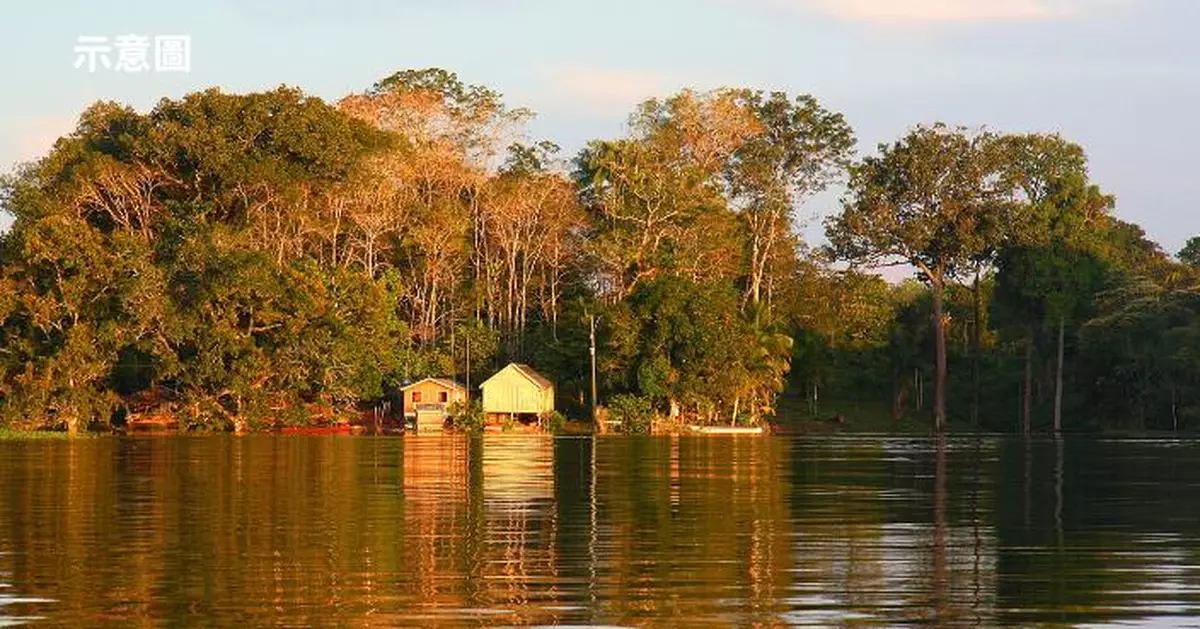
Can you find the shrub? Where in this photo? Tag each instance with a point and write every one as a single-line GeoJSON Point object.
{"type": "Point", "coordinates": [466, 418]}
{"type": "Point", "coordinates": [555, 422]}
{"type": "Point", "coordinates": [635, 414]}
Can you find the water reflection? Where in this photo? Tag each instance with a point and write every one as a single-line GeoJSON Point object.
{"type": "Point", "coordinates": [521, 531]}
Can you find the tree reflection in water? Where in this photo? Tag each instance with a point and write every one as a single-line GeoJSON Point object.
{"type": "Point", "coordinates": [452, 531]}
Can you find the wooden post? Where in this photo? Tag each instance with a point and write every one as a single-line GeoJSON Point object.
{"type": "Point", "coordinates": [592, 352]}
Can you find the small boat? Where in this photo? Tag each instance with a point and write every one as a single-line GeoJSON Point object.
{"type": "Point", "coordinates": [728, 430]}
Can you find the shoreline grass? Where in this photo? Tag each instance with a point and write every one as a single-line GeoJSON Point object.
{"type": "Point", "coordinates": [16, 434]}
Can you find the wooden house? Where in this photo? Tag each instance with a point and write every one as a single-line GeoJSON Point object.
{"type": "Point", "coordinates": [519, 393]}
{"type": "Point", "coordinates": [426, 402]}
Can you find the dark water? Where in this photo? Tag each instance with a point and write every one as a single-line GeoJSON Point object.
{"type": "Point", "coordinates": [454, 532]}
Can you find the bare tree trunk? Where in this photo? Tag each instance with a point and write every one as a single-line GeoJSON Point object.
{"type": "Point", "coordinates": [755, 272]}
{"type": "Point", "coordinates": [1058, 378]}
{"type": "Point", "coordinates": [939, 351]}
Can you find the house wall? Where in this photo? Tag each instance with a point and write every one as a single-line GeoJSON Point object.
{"type": "Point", "coordinates": [511, 392]}
{"type": "Point", "coordinates": [430, 395]}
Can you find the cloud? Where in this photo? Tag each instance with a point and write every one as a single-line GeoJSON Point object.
{"type": "Point", "coordinates": [947, 11]}
{"type": "Point", "coordinates": [604, 91]}
{"type": "Point", "coordinates": [36, 136]}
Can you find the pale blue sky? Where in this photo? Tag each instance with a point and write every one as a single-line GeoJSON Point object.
{"type": "Point", "coordinates": [1122, 77]}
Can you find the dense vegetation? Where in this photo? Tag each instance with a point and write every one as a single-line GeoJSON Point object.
{"type": "Point", "coordinates": [242, 261]}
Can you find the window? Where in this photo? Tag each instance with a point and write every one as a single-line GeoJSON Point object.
{"type": "Point", "coordinates": [443, 397]}
{"type": "Point", "coordinates": [416, 397]}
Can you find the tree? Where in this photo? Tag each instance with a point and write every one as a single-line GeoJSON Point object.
{"type": "Point", "coordinates": [656, 199]}
{"type": "Point", "coordinates": [162, 261]}
{"type": "Point", "coordinates": [1145, 335]}
{"type": "Point", "coordinates": [245, 261]}
{"type": "Point", "coordinates": [696, 354]}
{"type": "Point", "coordinates": [1049, 272]}
{"type": "Point", "coordinates": [530, 223]}
{"type": "Point", "coordinates": [1190, 254]}
{"type": "Point", "coordinates": [929, 200]}
{"type": "Point", "coordinates": [798, 149]}
{"type": "Point", "coordinates": [447, 140]}
{"type": "Point", "coordinates": [836, 317]}
{"type": "Point", "coordinates": [1047, 285]}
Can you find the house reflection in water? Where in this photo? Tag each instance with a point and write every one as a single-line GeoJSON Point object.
{"type": "Point", "coordinates": [480, 514]}
{"type": "Point", "coordinates": [595, 531]}
{"type": "Point", "coordinates": [543, 531]}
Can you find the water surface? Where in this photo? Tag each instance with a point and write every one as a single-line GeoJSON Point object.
{"type": "Point", "coordinates": [663, 532]}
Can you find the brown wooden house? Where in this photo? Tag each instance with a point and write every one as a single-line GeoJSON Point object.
{"type": "Point", "coordinates": [426, 402]}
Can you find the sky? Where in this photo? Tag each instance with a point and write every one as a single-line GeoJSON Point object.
{"type": "Point", "coordinates": [1121, 77]}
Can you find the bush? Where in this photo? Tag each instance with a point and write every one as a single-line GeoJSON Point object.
{"type": "Point", "coordinates": [635, 414]}
{"type": "Point", "coordinates": [466, 418]}
{"type": "Point", "coordinates": [554, 422]}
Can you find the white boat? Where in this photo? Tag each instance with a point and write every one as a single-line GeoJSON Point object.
{"type": "Point", "coordinates": [728, 430]}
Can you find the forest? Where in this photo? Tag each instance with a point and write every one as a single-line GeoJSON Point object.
{"type": "Point", "coordinates": [242, 262]}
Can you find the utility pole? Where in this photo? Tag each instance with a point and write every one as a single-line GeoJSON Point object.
{"type": "Point", "coordinates": [592, 351]}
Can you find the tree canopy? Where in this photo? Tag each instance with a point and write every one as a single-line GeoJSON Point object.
{"type": "Point", "coordinates": [246, 261]}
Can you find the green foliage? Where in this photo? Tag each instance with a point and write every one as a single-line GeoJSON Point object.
{"type": "Point", "coordinates": [929, 200]}
{"type": "Point", "coordinates": [241, 262]}
{"type": "Point", "coordinates": [137, 247]}
{"type": "Point", "coordinates": [1190, 254]}
{"type": "Point", "coordinates": [695, 351]}
{"type": "Point", "coordinates": [555, 422]}
{"type": "Point", "coordinates": [1048, 283]}
{"type": "Point", "coordinates": [1141, 353]}
{"type": "Point", "coordinates": [466, 418]}
{"type": "Point", "coordinates": [635, 414]}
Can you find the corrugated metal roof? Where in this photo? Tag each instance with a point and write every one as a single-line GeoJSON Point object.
{"type": "Point", "coordinates": [536, 377]}
{"type": "Point", "coordinates": [525, 370]}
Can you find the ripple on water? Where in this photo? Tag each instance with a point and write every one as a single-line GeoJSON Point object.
{"type": "Point", "coordinates": [16, 621]}
{"type": "Point", "coordinates": [601, 534]}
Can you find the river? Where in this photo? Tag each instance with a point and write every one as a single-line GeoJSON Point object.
{"type": "Point", "coordinates": [503, 531]}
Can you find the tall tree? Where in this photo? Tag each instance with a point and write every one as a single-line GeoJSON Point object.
{"type": "Point", "coordinates": [1048, 271]}
{"type": "Point", "coordinates": [657, 198]}
{"type": "Point", "coordinates": [530, 218]}
{"type": "Point", "coordinates": [449, 141]}
{"type": "Point", "coordinates": [798, 149]}
{"type": "Point", "coordinates": [929, 200]}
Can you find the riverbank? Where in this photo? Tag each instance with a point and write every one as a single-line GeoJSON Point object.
{"type": "Point", "coordinates": [10, 434]}
{"type": "Point", "coordinates": [852, 416]}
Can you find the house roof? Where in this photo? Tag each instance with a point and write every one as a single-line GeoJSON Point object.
{"type": "Point", "coordinates": [525, 370]}
{"type": "Point", "coordinates": [444, 382]}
